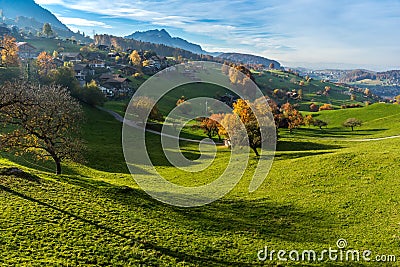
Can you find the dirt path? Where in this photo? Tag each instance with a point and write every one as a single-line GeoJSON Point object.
{"type": "Point", "coordinates": [133, 124]}
{"type": "Point", "coordinates": [119, 118]}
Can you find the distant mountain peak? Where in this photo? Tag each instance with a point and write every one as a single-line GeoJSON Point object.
{"type": "Point", "coordinates": [30, 16]}
{"type": "Point", "coordinates": [163, 37]}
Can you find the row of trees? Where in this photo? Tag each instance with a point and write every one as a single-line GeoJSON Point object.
{"type": "Point", "coordinates": [244, 112]}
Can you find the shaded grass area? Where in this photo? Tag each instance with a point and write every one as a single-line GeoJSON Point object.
{"type": "Point", "coordinates": [95, 214]}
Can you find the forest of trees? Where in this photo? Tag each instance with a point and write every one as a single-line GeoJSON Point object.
{"type": "Point", "coordinates": [120, 43]}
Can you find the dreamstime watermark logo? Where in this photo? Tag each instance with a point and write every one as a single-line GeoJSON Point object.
{"type": "Point", "coordinates": [338, 253]}
{"type": "Point", "coordinates": [141, 107]}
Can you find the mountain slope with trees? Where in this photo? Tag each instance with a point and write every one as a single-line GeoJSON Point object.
{"type": "Point", "coordinates": [30, 17]}
{"type": "Point", "coordinates": [249, 59]}
{"type": "Point", "coordinates": [160, 49]}
{"type": "Point", "coordinates": [163, 37]}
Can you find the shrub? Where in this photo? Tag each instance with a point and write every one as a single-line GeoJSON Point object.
{"type": "Point", "coordinates": [326, 107]}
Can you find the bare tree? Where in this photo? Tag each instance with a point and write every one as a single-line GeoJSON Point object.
{"type": "Point", "coordinates": [44, 121]}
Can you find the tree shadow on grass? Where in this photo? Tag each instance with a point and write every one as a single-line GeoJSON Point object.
{"type": "Point", "coordinates": [284, 156]}
{"type": "Point", "coordinates": [109, 228]}
{"type": "Point", "coordinates": [261, 219]}
{"type": "Point", "coordinates": [303, 146]}
{"type": "Point", "coordinates": [338, 132]}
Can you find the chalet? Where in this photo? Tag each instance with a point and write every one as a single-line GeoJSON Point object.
{"type": "Point", "coordinates": [128, 70]}
{"type": "Point", "coordinates": [26, 50]}
{"type": "Point", "coordinates": [114, 55]}
{"type": "Point", "coordinates": [81, 71]}
{"type": "Point", "coordinates": [95, 55]}
{"type": "Point", "coordinates": [97, 63]}
{"type": "Point", "coordinates": [72, 57]}
{"type": "Point", "coordinates": [103, 47]}
{"type": "Point", "coordinates": [106, 76]}
{"type": "Point", "coordinates": [120, 84]}
{"type": "Point", "coordinates": [149, 70]}
{"type": "Point", "coordinates": [58, 62]}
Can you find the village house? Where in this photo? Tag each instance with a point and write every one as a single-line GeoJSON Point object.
{"type": "Point", "coordinates": [114, 55]}
{"type": "Point", "coordinates": [128, 70]}
{"type": "Point", "coordinates": [119, 84]}
{"type": "Point", "coordinates": [4, 31]}
{"type": "Point", "coordinates": [26, 50]}
{"type": "Point", "coordinates": [58, 62]}
{"type": "Point", "coordinates": [97, 63]}
{"type": "Point", "coordinates": [106, 76]}
{"type": "Point", "coordinates": [71, 57]}
{"type": "Point", "coordinates": [103, 47]}
{"type": "Point", "coordinates": [81, 71]}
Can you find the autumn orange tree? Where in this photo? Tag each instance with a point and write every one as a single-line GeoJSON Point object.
{"type": "Point", "coordinates": [313, 107]}
{"type": "Point", "coordinates": [184, 107]}
{"type": "Point", "coordinates": [308, 120]}
{"type": "Point", "coordinates": [243, 113]}
{"type": "Point", "coordinates": [397, 98]}
{"type": "Point", "coordinates": [144, 105]}
{"type": "Point", "coordinates": [293, 116]}
{"type": "Point", "coordinates": [45, 64]}
{"type": "Point", "coordinates": [211, 125]}
{"type": "Point", "coordinates": [44, 121]}
{"type": "Point", "coordinates": [325, 107]}
{"type": "Point", "coordinates": [9, 53]}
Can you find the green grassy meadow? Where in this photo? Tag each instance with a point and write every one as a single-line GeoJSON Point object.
{"type": "Point", "coordinates": [323, 186]}
{"type": "Point", "coordinates": [276, 79]}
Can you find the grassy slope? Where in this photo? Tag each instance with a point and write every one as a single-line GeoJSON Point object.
{"type": "Point", "coordinates": [315, 194]}
{"type": "Point", "coordinates": [378, 121]}
{"type": "Point", "coordinates": [50, 45]}
{"type": "Point", "coordinates": [270, 80]}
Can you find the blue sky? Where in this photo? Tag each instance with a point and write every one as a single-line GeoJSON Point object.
{"type": "Point", "coordinates": [309, 33]}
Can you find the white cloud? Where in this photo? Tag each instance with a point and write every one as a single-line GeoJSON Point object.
{"type": "Point", "coordinates": [83, 22]}
{"type": "Point", "coordinates": [49, 2]}
{"type": "Point", "coordinates": [309, 30]}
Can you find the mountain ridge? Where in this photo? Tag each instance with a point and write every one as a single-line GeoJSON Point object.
{"type": "Point", "coordinates": [249, 59]}
{"type": "Point", "coordinates": [29, 16]}
{"type": "Point", "coordinates": [163, 37]}
{"type": "Point", "coordinates": [30, 9]}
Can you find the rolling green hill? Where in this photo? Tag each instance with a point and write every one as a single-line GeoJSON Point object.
{"type": "Point", "coordinates": [379, 120]}
{"type": "Point", "coordinates": [268, 81]}
{"type": "Point", "coordinates": [317, 192]}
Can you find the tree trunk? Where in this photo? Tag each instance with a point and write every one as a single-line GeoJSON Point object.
{"type": "Point", "coordinates": [352, 128]}
{"type": "Point", "coordinates": [58, 165]}
{"type": "Point", "coordinates": [255, 151]}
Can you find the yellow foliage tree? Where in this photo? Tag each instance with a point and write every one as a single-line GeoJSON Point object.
{"type": "Point", "coordinates": [293, 116]}
{"type": "Point", "coordinates": [45, 63]}
{"type": "Point", "coordinates": [243, 114]}
{"type": "Point", "coordinates": [144, 105]}
{"type": "Point", "coordinates": [9, 53]}
{"type": "Point", "coordinates": [135, 58]}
